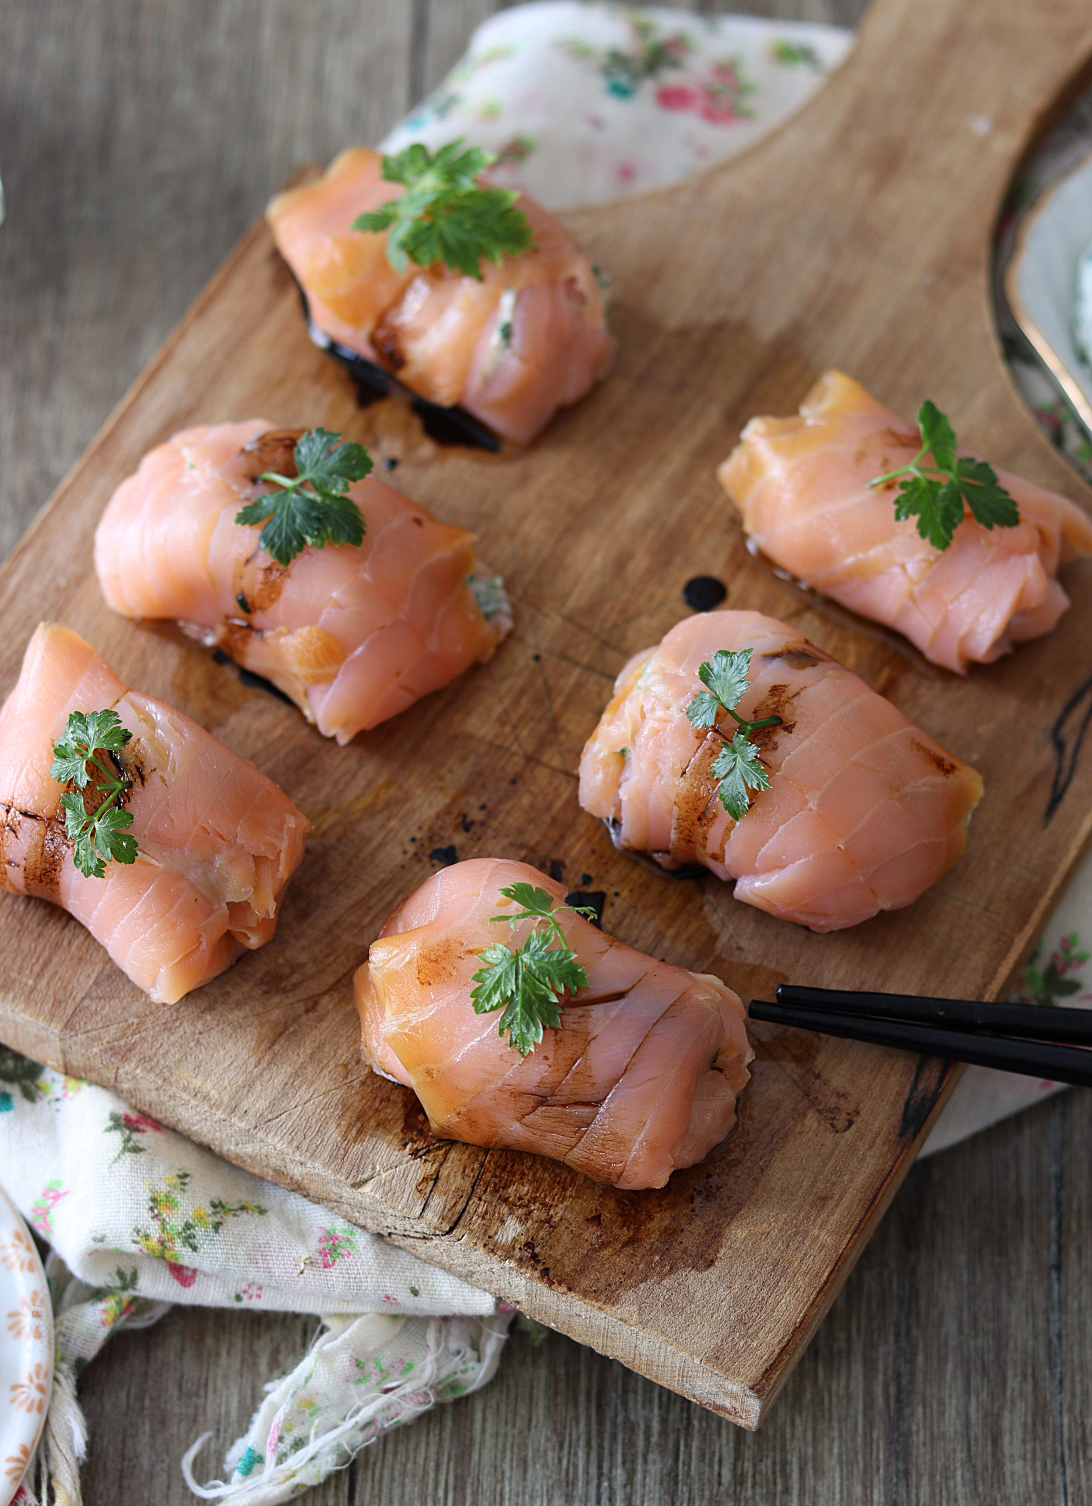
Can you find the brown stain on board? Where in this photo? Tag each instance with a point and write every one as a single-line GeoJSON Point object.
{"type": "Point", "coordinates": [334, 822]}
{"type": "Point", "coordinates": [797, 1052]}
{"type": "Point", "coordinates": [601, 1236]}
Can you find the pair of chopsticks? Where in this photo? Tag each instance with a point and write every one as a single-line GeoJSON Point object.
{"type": "Point", "coordinates": [1033, 1040]}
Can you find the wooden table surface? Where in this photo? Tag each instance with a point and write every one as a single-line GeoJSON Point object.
{"type": "Point", "coordinates": [138, 138]}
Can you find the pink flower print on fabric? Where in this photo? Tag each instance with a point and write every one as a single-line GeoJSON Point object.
{"type": "Point", "coordinates": [130, 1126]}
{"type": "Point", "coordinates": [335, 1244]}
{"type": "Point", "coordinates": [718, 99]}
{"type": "Point", "coordinates": [41, 1210]}
{"type": "Point", "coordinates": [1061, 977]}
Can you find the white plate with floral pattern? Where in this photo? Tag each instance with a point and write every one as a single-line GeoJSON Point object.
{"type": "Point", "coordinates": [26, 1349]}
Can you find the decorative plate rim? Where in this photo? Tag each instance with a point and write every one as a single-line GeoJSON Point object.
{"type": "Point", "coordinates": [21, 1271]}
{"type": "Point", "coordinates": [1043, 348]}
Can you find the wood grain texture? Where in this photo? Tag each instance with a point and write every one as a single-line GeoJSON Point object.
{"type": "Point", "coordinates": [695, 1457]}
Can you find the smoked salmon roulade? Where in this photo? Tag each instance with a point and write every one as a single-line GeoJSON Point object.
{"type": "Point", "coordinates": [802, 487]}
{"type": "Point", "coordinates": [210, 844]}
{"type": "Point", "coordinates": [639, 1077]}
{"type": "Point", "coordinates": [511, 346]}
{"type": "Point", "coordinates": [861, 810]}
{"type": "Point", "coordinates": [353, 634]}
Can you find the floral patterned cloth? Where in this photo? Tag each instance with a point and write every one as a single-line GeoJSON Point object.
{"type": "Point", "coordinates": [138, 1218]}
{"type": "Point", "coordinates": [580, 103]}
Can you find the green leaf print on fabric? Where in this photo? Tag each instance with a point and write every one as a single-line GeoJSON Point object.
{"type": "Point", "coordinates": [119, 1297]}
{"type": "Point", "coordinates": [129, 1126]}
{"type": "Point", "coordinates": [1047, 985]}
{"type": "Point", "coordinates": [41, 1210]}
{"type": "Point", "coordinates": [175, 1231]}
{"type": "Point", "coordinates": [720, 98]}
{"type": "Point", "coordinates": [797, 55]}
{"type": "Point", "coordinates": [648, 57]}
{"type": "Point", "coordinates": [25, 1077]}
{"type": "Point", "coordinates": [336, 1244]}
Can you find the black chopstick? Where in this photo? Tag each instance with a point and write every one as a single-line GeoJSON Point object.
{"type": "Point", "coordinates": [1029, 1021]}
{"type": "Point", "coordinates": [1058, 1063]}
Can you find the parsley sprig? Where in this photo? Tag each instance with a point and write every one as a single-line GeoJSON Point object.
{"type": "Point", "coordinates": [939, 494]}
{"type": "Point", "coordinates": [528, 984]}
{"type": "Point", "coordinates": [738, 766]}
{"type": "Point", "coordinates": [101, 836]}
{"type": "Point", "coordinates": [311, 507]}
{"type": "Point", "coordinates": [444, 216]}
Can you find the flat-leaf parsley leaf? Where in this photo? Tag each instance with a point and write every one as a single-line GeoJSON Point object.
{"type": "Point", "coordinates": [939, 495]}
{"type": "Point", "coordinates": [444, 216]}
{"type": "Point", "coordinates": [738, 766]}
{"type": "Point", "coordinates": [529, 983]}
{"type": "Point", "coordinates": [311, 507]}
{"type": "Point", "coordinates": [99, 836]}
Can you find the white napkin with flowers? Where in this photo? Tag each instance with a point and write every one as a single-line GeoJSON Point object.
{"type": "Point", "coordinates": [579, 103]}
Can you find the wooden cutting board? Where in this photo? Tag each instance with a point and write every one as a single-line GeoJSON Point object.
{"type": "Point", "coordinates": [858, 236]}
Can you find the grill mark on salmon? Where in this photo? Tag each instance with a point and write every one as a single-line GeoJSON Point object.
{"type": "Point", "coordinates": [216, 840]}
{"type": "Point", "coordinates": [39, 867]}
{"type": "Point", "coordinates": [273, 450]}
{"type": "Point", "coordinates": [352, 635]}
{"type": "Point", "coordinates": [641, 1078]}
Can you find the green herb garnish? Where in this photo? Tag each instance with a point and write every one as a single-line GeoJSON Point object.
{"type": "Point", "coordinates": [528, 984]}
{"type": "Point", "coordinates": [311, 507]}
{"type": "Point", "coordinates": [444, 216]}
{"type": "Point", "coordinates": [738, 766]}
{"type": "Point", "coordinates": [102, 836]}
{"type": "Point", "coordinates": [939, 494]}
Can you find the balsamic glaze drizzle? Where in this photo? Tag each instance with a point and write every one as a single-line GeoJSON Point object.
{"type": "Point", "coordinates": [704, 592]}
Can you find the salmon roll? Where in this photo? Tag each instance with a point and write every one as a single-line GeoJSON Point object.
{"type": "Point", "coordinates": [862, 811]}
{"type": "Point", "coordinates": [639, 1077]}
{"type": "Point", "coordinates": [215, 840]}
{"type": "Point", "coordinates": [510, 346]}
{"type": "Point", "coordinates": [803, 489]}
{"type": "Point", "coordinates": [353, 634]}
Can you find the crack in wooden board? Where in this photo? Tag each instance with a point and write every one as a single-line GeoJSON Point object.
{"type": "Point", "coordinates": [856, 235]}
